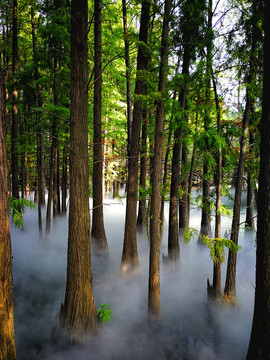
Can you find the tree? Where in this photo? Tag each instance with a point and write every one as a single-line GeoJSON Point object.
{"type": "Point", "coordinates": [130, 261]}
{"type": "Point", "coordinates": [14, 131]}
{"type": "Point", "coordinates": [154, 309]}
{"type": "Point", "coordinates": [98, 232]}
{"type": "Point", "coordinates": [78, 317]}
{"type": "Point", "coordinates": [259, 346]}
{"type": "Point", "coordinates": [7, 343]}
{"type": "Point", "coordinates": [206, 215]}
{"type": "Point", "coordinates": [251, 78]}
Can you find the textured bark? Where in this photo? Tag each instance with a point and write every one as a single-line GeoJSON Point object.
{"type": "Point", "coordinates": [99, 239]}
{"type": "Point", "coordinates": [165, 173]}
{"type": "Point", "coordinates": [40, 147]}
{"type": "Point", "coordinates": [50, 189]}
{"type": "Point", "coordinates": [128, 72]}
{"type": "Point", "coordinates": [14, 127]}
{"type": "Point", "coordinates": [230, 285]}
{"type": "Point", "coordinates": [215, 289]}
{"type": "Point", "coordinates": [250, 191]}
{"type": "Point", "coordinates": [130, 261]}
{"type": "Point", "coordinates": [154, 308]}
{"type": "Point", "coordinates": [142, 218]}
{"type": "Point", "coordinates": [173, 238]}
{"type": "Point", "coordinates": [7, 343]}
{"type": "Point", "coordinates": [206, 215]}
{"type": "Point", "coordinates": [184, 200]}
{"type": "Point", "coordinates": [259, 346]}
{"type": "Point", "coordinates": [78, 317]}
{"type": "Point", "coordinates": [64, 181]}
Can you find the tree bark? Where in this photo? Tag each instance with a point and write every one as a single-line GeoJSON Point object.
{"type": "Point", "coordinates": [230, 285]}
{"type": "Point", "coordinates": [14, 128]}
{"type": "Point", "coordinates": [206, 215]}
{"type": "Point", "coordinates": [128, 73]}
{"type": "Point", "coordinates": [7, 343]}
{"type": "Point", "coordinates": [78, 316]}
{"type": "Point", "coordinates": [142, 218]}
{"type": "Point", "coordinates": [173, 238]}
{"type": "Point", "coordinates": [250, 190]}
{"type": "Point", "coordinates": [99, 240]}
{"type": "Point", "coordinates": [154, 308]}
{"type": "Point", "coordinates": [216, 287]}
{"type": "Point", "coordinates": [259, 345]}
{"type": "Point", "coordinates": [130, 261]}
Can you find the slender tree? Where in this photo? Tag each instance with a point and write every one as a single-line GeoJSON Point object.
{"type": "Point", "coordinates": [259, 345]}
{"type": "Point", "coordinates": [7, 343]}
{"type": "Point", "coordinates": [154, 308]}
{"type": "Point", "coordinates": [78, 317]}
{"type": "Point", "coordinates": [130, 261]}
{"type": "Point", "coordinates": [232, 257]}
{"type": "Point", "coordinates": [14, 129]}
{"type": "Point", "coordinates": [128, 73]}
{"type": "Point", "coordinates": [206, 216]}
{"type": "Point", "coordinates": [98, 231]}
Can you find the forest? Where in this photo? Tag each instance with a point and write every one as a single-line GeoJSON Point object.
{"type": "Point", "coordinates": [134, 179]}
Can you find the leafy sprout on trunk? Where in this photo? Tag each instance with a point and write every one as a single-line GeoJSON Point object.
{"type": "Point", "coordinates": [17, 208]}
{"type": "Point", "coordinates": [104, 312]}
{"type": "Point", "coordinates": [215, 245]}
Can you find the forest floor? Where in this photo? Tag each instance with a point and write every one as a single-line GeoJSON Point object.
{"type": "Point", "coordinates": [192, 327]}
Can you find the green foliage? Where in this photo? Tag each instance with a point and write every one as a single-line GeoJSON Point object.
{"type": "Point", "coordinates": [215, 245]}
{"type": "Point", "coordinates": [225, 211]}
{"type": "Point", "coordinates": [17, 208]}
{"type": "Point", "coordinates": [104, 312]}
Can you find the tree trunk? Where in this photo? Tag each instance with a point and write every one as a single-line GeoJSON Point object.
{"type": "Point", "coordinates": [78, 316]}
{"type": "Point", "coordinates": [216, 287]}
{"type": "Point", "coordinates": [250, 190]}
{"type": "Point", "coordinates": [184, 200]}
{"type": "Point", "coordinates": [64, 181]}
{"type": "Point", "coordinates": [142, 218]}
{"type": "Point", "coordinates": [7, 343]}
{"type": "Point", "coordinates": [50, 189]}
{"type": "Point", "coordinates": [130, 261]}
{"type": "Point", "coordinates": [99, 240]}
{"type": "Point", "coordinates": [14, 128]}
{"type": "Point", "coordinates": [259, 345]}
{"type": "Point", "coordinates": [128, 72]}
{"type": "Point", "coordinates": [231, 265]}
{"type": "Point", "coordinates": [165, 173]}
{"type": "Point", "coordinates": [173, 238]}
{"type": "Point", "coordinates": [154, 309]}
{"type": "Point", "coordinates": [206, 215]}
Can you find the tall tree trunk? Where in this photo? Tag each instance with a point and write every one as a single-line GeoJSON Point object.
{"type": "Point", "coordinates": [184, 200]}
{"type": "Point", "coordinates": [232, 257]}
{"type": "Point", "coordinates": [40, 147]}
{"type": "Point", "coordinates": [50, 189]}
{"type": "Point", "coordinates": [173, 238]}
{"type": "Point", "coordinates": [259, 345]}
{"type": "Point", "coordinates": [99, 239]}
{"type": "Point", "coordinates": [64, 181]}
{"type": "Point", "coordinates": [128, 73]}
{"type": "Point", "coordinates": [154, 308]}
{"type": "Point", "coordinates": [165, 174]}
{"type": "Point", "coordinates": [130, 261]}
{"type": "Point", "coordinates": [215, 289]}
{"type": "Point", "coordinates": [7, 343]}
{"type": "Point", "coordinates": [142, 219]}
{"type": "Point", "coordinates": [250, 190]}
{"type": "Point", "coordinates": [78, 316]}
{"type": "Point", "coordinates": [14, 128]}
{"type": "Point", "coordinates": [206, 216]}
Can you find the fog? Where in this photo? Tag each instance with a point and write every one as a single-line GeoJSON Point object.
{"type": "Point", "coordinates": [192, 327]}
